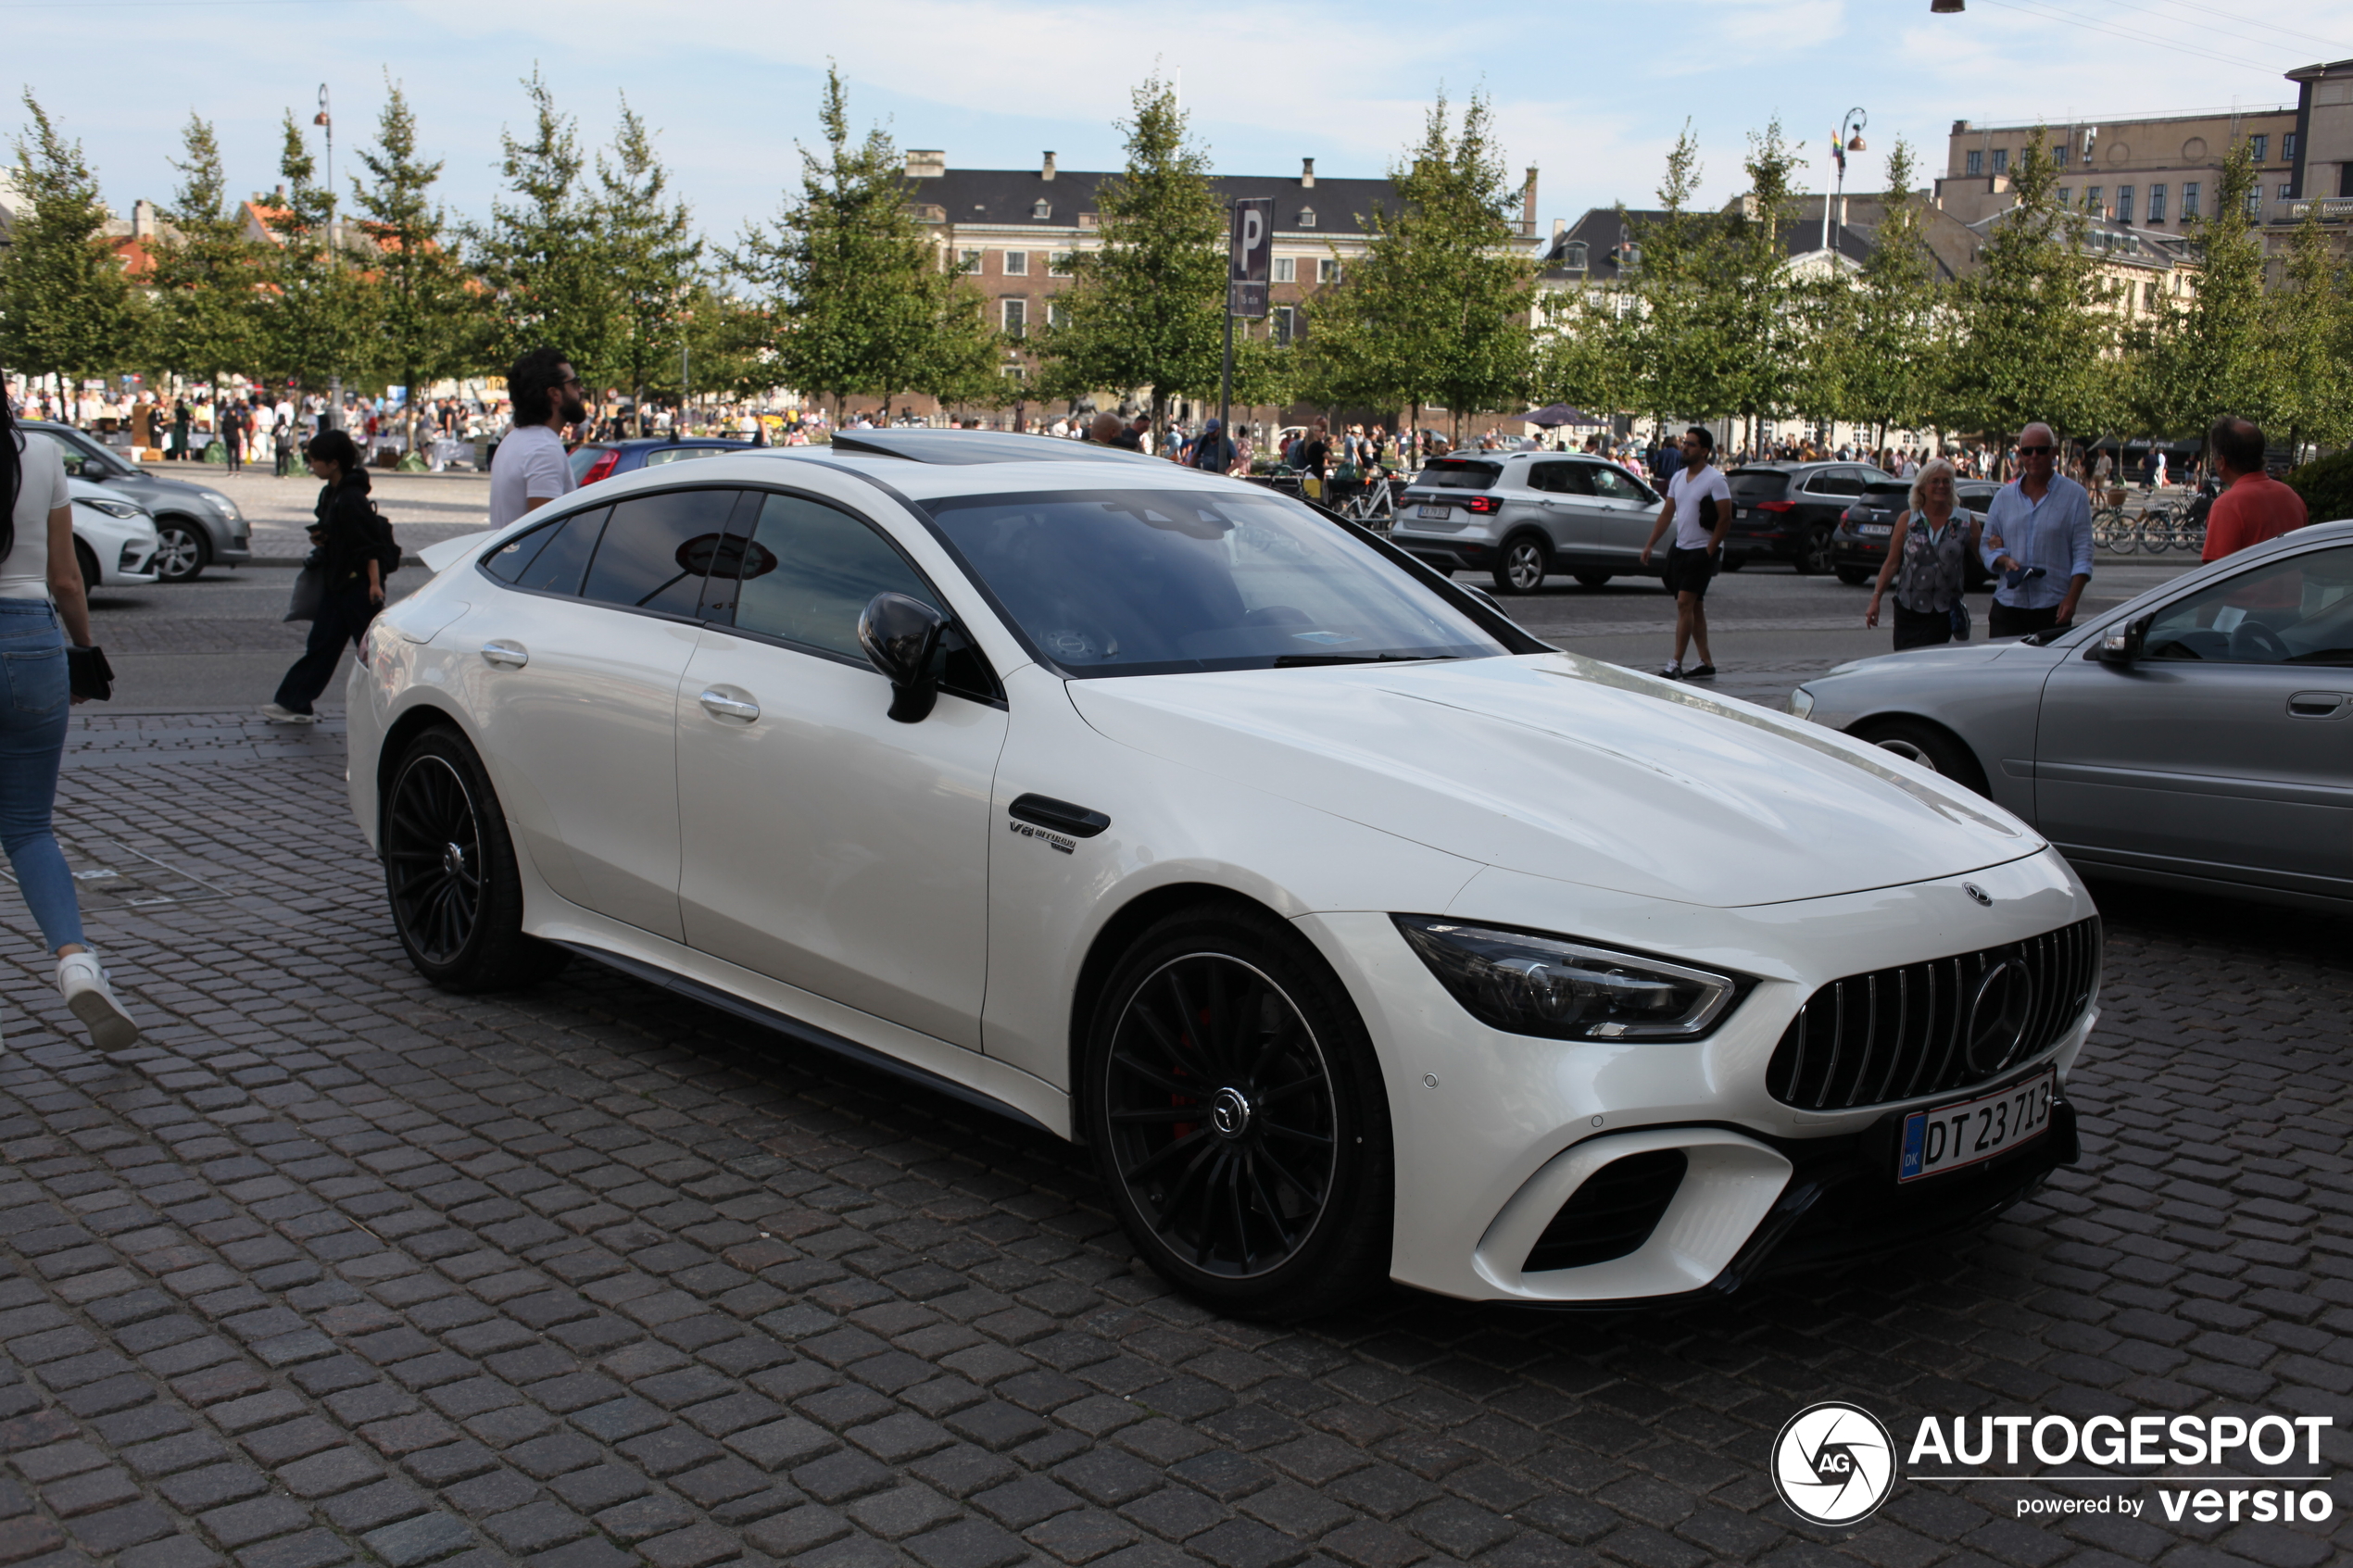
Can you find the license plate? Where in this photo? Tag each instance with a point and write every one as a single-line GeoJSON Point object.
{"type": "Point", "coordinates": [1740, 514]}
{"type": "Point", "coordinates": [1874, 528]}
{"type": "Point", "coordinates": [1431, 511]}
{"type": "Point", "coordinates": [1954, 1136]}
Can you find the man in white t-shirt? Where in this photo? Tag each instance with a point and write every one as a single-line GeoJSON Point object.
{"type": "Point", "coordinates": [1699, 506]}
{"type": "Point", "coordinates": [531, 467]}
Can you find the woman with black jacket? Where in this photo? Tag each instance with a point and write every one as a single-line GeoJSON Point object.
{"type": "Point", "coordinates": [351, 564]}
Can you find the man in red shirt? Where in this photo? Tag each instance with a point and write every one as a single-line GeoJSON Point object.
{"type": "Point", "coordinates": [2253, 507]}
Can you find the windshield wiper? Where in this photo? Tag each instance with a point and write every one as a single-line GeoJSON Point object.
{"type": "Point", "coordinates": [1300, 661]}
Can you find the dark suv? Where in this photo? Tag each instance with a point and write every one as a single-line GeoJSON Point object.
{"type": "Point", "coordinates": [1788, 511]}
{"type": "Point", "coordinates": [1859, 544]}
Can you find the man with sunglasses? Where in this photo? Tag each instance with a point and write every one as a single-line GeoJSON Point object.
{"type": "Point", "coordinates": [532, 468]}
{"type": "Point", "coordinates": [2038, 537]}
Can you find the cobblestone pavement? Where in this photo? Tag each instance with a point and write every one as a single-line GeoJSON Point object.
{"type": "Point", "coordinates": [337, 1267]}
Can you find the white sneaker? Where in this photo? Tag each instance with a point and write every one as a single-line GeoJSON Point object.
{"type": "Point", "coordinates": [84, 986]}
{"type": "Point", "coordinates": [278, 715]}
{"type": "Point", "coordinates": [1672, 670]}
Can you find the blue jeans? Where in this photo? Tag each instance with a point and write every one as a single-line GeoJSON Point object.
{"type": "Point", "coordinates": [34, 706]}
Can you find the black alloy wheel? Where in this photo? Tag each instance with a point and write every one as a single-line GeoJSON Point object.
{"type": "Point", "coordinates": [1814, 555]}
{"type": "Point", "coordinates": [1233, 1113]}
{"type": "Point", "coordinates": [181, 551]}
{"type": "Point", "coordinates": [1524, 564]}
{"type": "Point", "coordinates": [449, 873]}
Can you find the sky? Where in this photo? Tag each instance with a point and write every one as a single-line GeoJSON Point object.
{"type": "Point", "coordinates": [1591, 94]}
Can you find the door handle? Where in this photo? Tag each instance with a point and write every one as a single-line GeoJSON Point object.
{"type": "Point", "coordinates": [719, 705]}
{"type": "Point", "coordinates": [510, 655]}
{"type": "Point", "coordinates": [2315, 704]}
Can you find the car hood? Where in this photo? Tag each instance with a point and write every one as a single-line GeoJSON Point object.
{"type": "Point", "coordinates": [1565, 766]}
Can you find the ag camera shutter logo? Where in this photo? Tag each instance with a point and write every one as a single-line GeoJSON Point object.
{"type": "Point", "coordinates": [1833, 1463]}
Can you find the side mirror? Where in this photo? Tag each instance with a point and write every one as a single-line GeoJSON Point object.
{"type": "Point", "coordinates": [2123, 645]}
{"type": "Point", "coordinates": [902, 638]}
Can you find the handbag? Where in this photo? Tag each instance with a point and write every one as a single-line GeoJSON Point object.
{"type": "Point", "coordinates": [87, 672]}
{"type": "Point", "coordinates": [310, 592]}
{"type": "Point", "coordinates": [1960, 621]}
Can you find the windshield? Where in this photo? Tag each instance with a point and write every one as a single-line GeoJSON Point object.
{"type": "Point", "coordinates": [1149, 582]}
{"type": "Point", "coordinates": [1453, 474]}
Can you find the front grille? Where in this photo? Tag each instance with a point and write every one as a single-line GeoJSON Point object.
{"type": "Point", "coordinates": [1944, 1025]}
{"type": "Point", "coordinates": [1612, 1214]}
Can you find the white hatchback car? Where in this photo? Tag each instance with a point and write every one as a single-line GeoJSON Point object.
{"type": "Point", "coordinates": [1359, 934]}
{"type": "Point", "coordinates": [114, 538]}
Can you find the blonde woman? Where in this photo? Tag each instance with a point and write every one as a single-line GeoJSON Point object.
{"type": "Point", "coordinates": [1927, 558]}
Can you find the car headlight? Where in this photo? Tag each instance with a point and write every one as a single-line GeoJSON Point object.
{"type": "Point", "coordinates": [123, 510]}
{"type": "Point", "coordinates": [1801, 703]}
{"type": "Point", "coordinates": [220, 503]}
{"type": "Point", "coordinates": [1562, 989]}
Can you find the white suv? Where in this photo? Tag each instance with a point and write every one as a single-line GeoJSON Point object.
{"type": "Point", "coordinates": [1526, 516]}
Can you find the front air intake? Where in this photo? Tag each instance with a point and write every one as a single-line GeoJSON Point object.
{"type": "Point", "coordinates": [1611, 1213]}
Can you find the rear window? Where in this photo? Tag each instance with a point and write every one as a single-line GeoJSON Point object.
{"type": "Point", "coordinates": [1757, 484]}
{"type": "Point", "coordinates": [1886, 491]}
{"type": "Point", "coordinates": [1456, 473]}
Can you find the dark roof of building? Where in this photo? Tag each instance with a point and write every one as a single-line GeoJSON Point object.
{"type": "Point", "coordinates": [1009, 197]}
{"type": "Point", "coordinates": [1602, 228]}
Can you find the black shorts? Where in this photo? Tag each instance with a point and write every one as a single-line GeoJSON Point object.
{"type": "Point", "coordinates": [1687, 571]}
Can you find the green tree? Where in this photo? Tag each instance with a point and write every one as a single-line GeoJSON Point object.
{"type": "Point", "coordinates": [1147, 307]}
{"type": "Point", "coordinates": [1892, 346]}
{"type": "Point", "coordinates": [653, 259]}
{"type": "Point", "coordinates": [2035, 324]}
{"type": "Point", "coordinates": [420, 297]}
{"type": "Point", "coordinates": [861, 301]}
{"type": "Point", "coordinates": [1765, 323]}
{"type": "Point", "coordinates": [1438, 310]}
{"type": "Point", "coordinates": [540, 255]}
{"type": "Point", "coordinates": [207, 275]}
{"type": "Point", "coordinates": [2311, 334]}
{"type": "Point", "coordinates": [1675, 344]}
{"type": "Point", "coordinates": [315, 328]}
{"type": "Point", "coordinates": [65, 308]}
{"type": "Point", "coordinates": [2215, 357]}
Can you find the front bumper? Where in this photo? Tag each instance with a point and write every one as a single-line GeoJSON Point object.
{"type": "Point", "coordinates": [1494, 1133]}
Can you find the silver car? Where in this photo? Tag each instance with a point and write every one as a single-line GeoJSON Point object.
{"type": "Point", "coordinates": [1524, 516]}
{"type": "Point", "coordinates": [2200, 737]}
{"type": "Point", "coordinates": [197, 525]}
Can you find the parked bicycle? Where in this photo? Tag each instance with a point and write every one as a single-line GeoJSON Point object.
{"type": "Point", "coordinates": [2114, 531]}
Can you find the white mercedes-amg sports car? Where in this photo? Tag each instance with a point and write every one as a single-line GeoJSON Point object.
{"type": "Point", "coordinates": [1357, 932]}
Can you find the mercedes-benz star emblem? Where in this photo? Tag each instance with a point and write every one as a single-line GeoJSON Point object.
{"type": "Point", "coordinates": [1833, 1463]}
{"type": "Point", "coordinates": [1978, 893]}
{"type": "Point", "coordinates": [1997, 1016]}
{"type": "Point", "coordinates": [1229, 1113]}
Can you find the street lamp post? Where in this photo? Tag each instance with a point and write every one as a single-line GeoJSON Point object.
{"type": "Point", "coordinates": [325, 120]}
{"type": "Point", "coordinates": [1849, 140]}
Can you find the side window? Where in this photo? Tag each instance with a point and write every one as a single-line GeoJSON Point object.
{"type": "Point", "coordinates": [657, 549]}
{"type": "Point", "coordinates": [1832, 483]}
{"type": "Point", "coordinates": [2293, 611]}
{"type": "Point", "coordinates": [1616, 485]}
{"type": "Point", "coordinates": [809, 570]}
{"type": "Point", "coordinates": [550, 558]}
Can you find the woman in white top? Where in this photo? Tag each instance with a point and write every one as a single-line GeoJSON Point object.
{"type": "Point", "coordinates": [40, 585]}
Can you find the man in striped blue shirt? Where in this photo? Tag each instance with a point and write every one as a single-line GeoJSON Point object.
{"type": "Point", "coordinates": [2038, 537]}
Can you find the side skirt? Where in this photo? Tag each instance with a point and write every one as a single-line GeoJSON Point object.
{"type": "Point", "coordinates": [806, 1034]}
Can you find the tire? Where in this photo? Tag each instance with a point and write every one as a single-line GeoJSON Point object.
{"type": "Point", "coordinates": [87, 560]}
{"type": "Point", "coordinates": [449, 873]}
{"type": "Point", "coordinates": [1254, 1221]}
{"type": "Point", "coordinates": [1593, 579]}
{"type": "Point", "coordinates": [1854, 576]}
{"type": "Point", "coordinates": [183, 551]}
{"type": "Point", "coordinates": [1931, 746]}
{"type": "Point", "coordinates": [1524, 564]}
{"type": "Point", "coordinates": [1727, 561]}
{"type": "Point", "coordinates": [1814, 555]}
